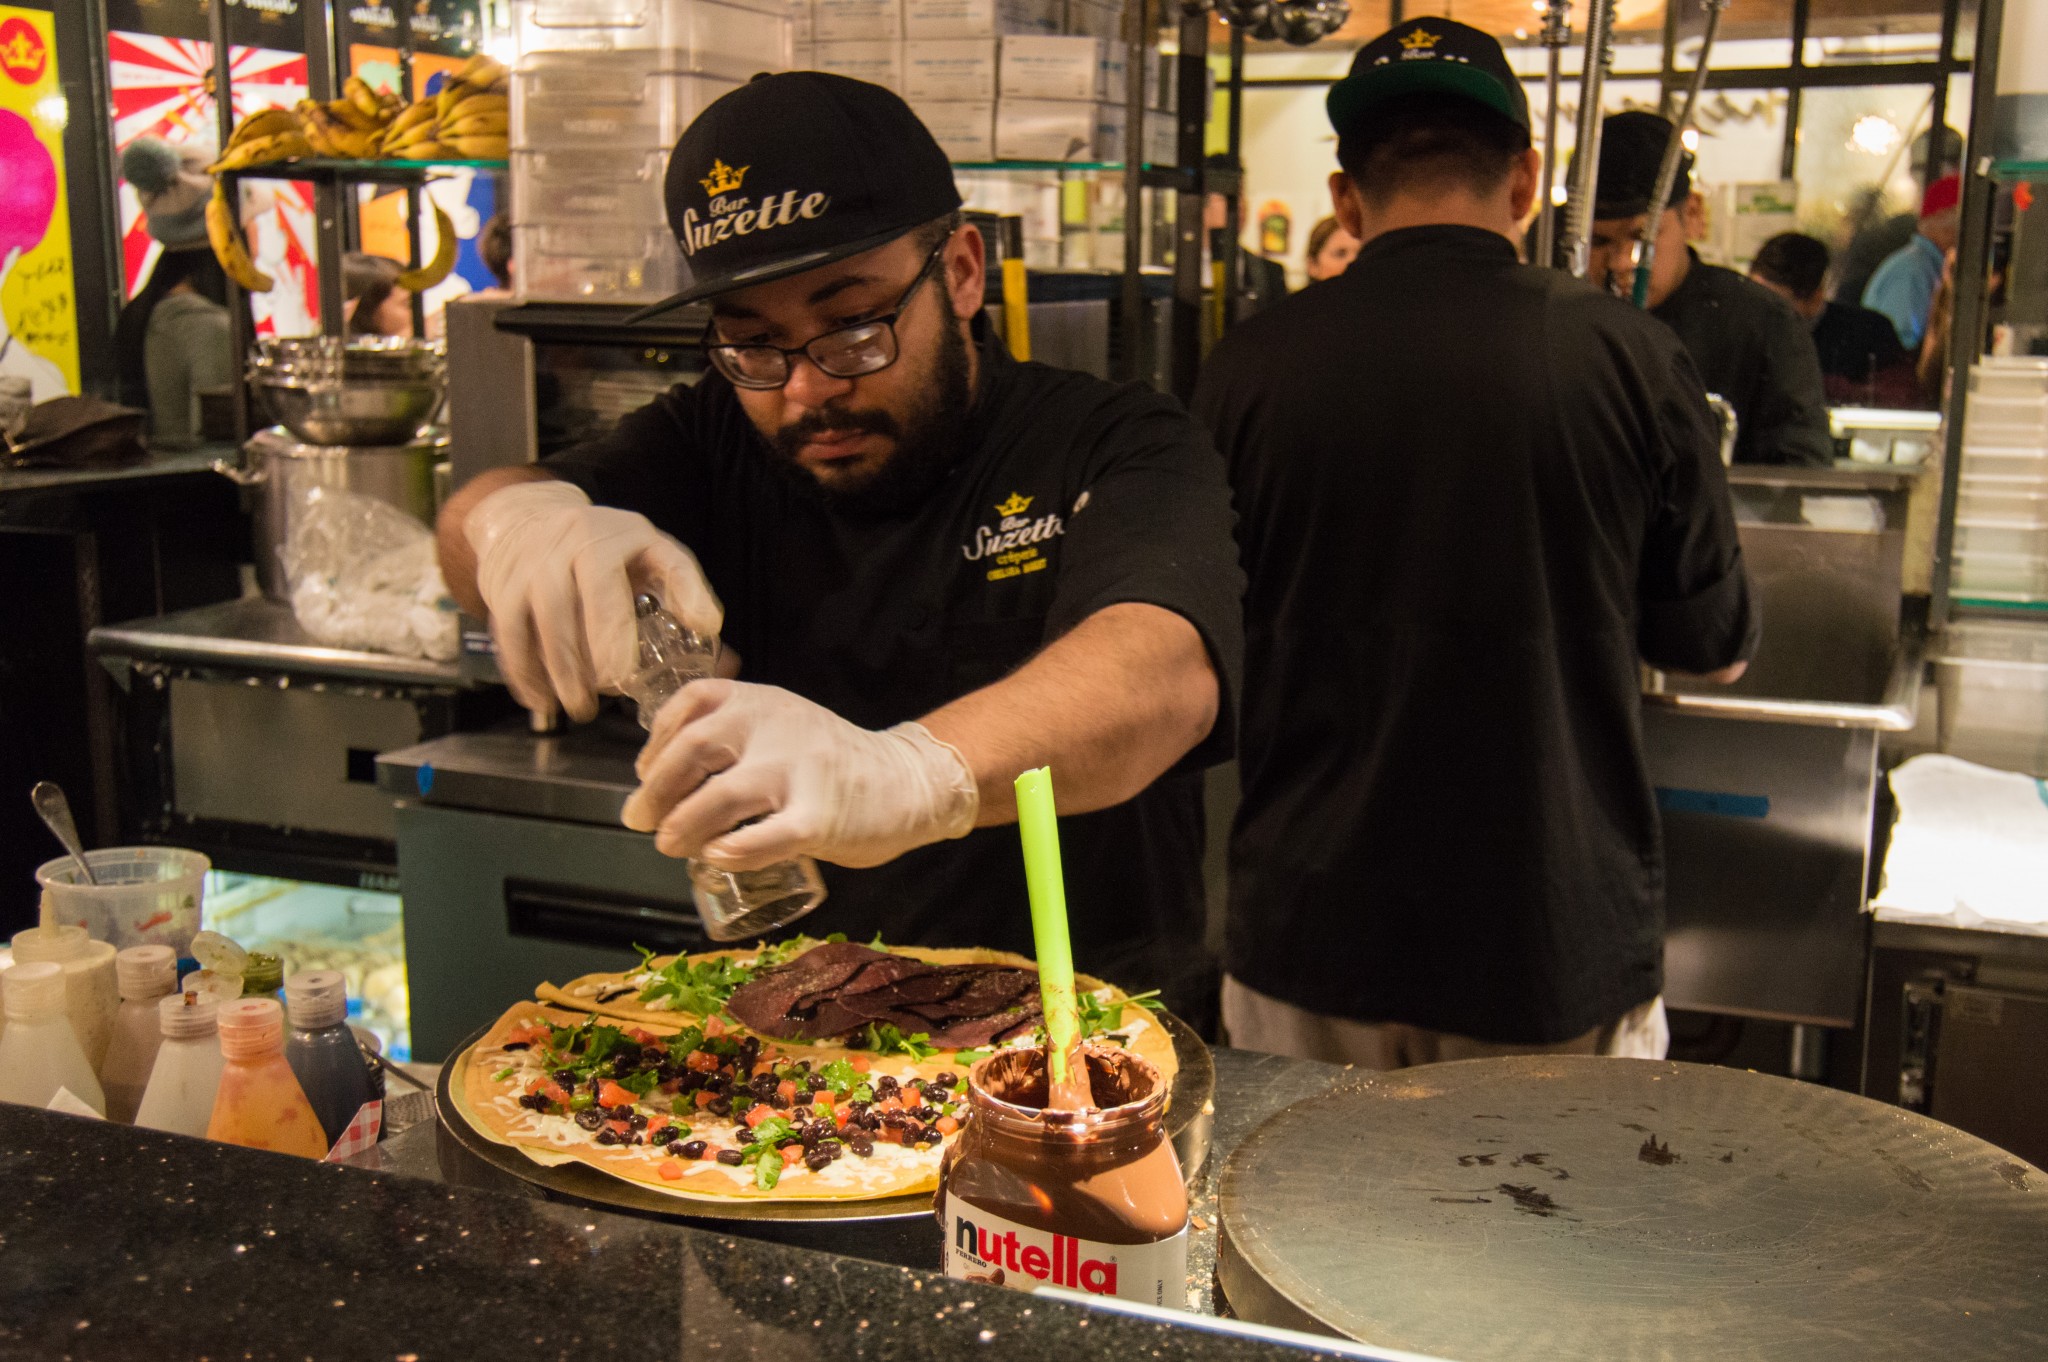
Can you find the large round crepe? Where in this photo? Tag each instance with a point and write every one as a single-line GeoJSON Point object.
{"type": "Point", "coordinates": [490, 1105]}
{"type": "Point", "coordinates": [1142, 1031]}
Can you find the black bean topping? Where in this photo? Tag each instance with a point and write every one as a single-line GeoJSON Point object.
{"type": "Point", "coordinates": [729, 1157]}
{"type": "Point", "coordinates": [787, 1140]}
{"type": "Point", "coordinates": [517, 1045]}
{"type": "Point", "coordinates": [816, 1083]}
{"type": "Point", "coordinates": [566, 1077]}
{"type": "Point", "coordinates": [885, 1085]}
{"type": "Point", "coordinates": [618, 1113]}
{"type": "Point", "coordinates": [857, 1108]}
{"type": "Point", "coordinates": [777, 1101]}
{"type": "Point", "coordinates": [817, 1160]}
{"type": "Point", "coordinates": [533, 1101]}
{"type": "Point", "coordinates": [897, 1120]}
{"type": "Point", "coordinates": [590, 1118]}
{"type": "Point", "coordinates": [637, 1121]}
{"type": "Point", "coordinates": [861, 1143]}
{"type": "Point", "coordinates": [925, 1114]}
{"type": "Point", "coordinates": [761, 1085]}
{"type": "Point", "coordinates": [720, 1106]}
{"type": "Point", "coordinates": [606, 1136]}
{"type": "Point", "coordinates": [693, 1149]}
{"type": "Point", "coordinates": [666, 1135]}
{"type": "Point", "coordinates": [946, 1080]}
{"type": "Point", "coordinates": [744, 1134]}
{"type": "Point", "coordinates": [824, 1130]}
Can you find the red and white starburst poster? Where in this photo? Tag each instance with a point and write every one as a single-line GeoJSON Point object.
{"type": "Point", "coordinates": [163, 88]}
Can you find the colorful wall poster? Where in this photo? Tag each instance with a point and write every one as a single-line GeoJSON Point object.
{"type": "Point", "coordinates": [163, 87]}
{"type": "Point", "coordinates": [38, 296]}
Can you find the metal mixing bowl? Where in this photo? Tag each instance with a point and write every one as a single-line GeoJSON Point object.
{"type": "Point", "coordinates": [358, 412]}
{"type": "Point", "coordinates": [305, 359]}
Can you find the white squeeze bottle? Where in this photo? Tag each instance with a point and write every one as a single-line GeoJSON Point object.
{"type": "Point", "coordinates": [186, 1078]}
{"type": "Point", "coordinates": [145, 974]}
{"type": "Point", "coordinates": [39, 1052]}
{"type": "Point", "coordinates": [91, 995]}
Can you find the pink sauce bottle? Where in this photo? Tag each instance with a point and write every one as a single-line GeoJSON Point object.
{"type": "Point", "coordinates": [260, 1104]}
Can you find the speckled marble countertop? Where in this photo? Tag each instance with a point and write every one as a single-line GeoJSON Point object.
{"type": "Point", "coordinates": [119, 1243]}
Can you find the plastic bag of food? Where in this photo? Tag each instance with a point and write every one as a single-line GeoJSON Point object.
{"type": "Point", "coordinates": [363, 575]}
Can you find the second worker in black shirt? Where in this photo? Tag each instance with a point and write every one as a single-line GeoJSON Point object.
{"type": "Point", "coordinates": [1471, 494]}
{"type": "Point", "coordinates": [1747, 343]}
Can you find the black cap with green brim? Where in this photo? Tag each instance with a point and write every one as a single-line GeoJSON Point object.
{"type": "Point", "coordinates": [1437, 56]}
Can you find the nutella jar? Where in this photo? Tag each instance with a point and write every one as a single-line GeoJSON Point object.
{"type": "Point", "coordinates": [1091, 1201]}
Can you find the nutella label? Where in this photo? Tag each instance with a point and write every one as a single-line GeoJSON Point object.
{"type": "Point", "coordinates": [987, 1248]}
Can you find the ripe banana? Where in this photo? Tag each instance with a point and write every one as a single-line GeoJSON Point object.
{"type": "Point", "coordinates": [395, 138]}
{"type": "Point", "coordinates": [345, 112]}
{"type": "Point", "coordinates": [435, 270]}
{"type": "Point", "coordinates": [428, 150]}
{"type": "Point", "coordinates": [482, 71]}
{"type": "Point", "coordinates": [481, 148]}
{"type": "Point", "coordinates": [279, 146]}
{"type": "Point", "coordinates": [264, 123]}
{"type": "Point", "coordinates": [228, 247]}
{"type": "Point", "coordinates": [474, 125]}
{"type": "Point", "coordinates": [359, 93]}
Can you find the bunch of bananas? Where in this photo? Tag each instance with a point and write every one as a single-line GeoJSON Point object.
{"type": "Point", "coordinates": [272, 135]}
{"type": "Point", "coordinates": [228, 246]}
{"type": "Point", "coordinates": [350, 128]}
{"type": "Point", "coordinates": [468, 118]}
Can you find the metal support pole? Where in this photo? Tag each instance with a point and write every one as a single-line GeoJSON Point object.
{"type": "Point", "coordinates": [241, 326]}
{"type": "Point", "coordinates": [1966, 324]}
{"type": "Point", "coordinates": [1186, 338]}
{"type": "Point", "coordinates": [1131, 302]}
{"type": "Point", "coordinates": [1557, 31]}
{"type": "Point", "coordinates": [1229, 290]}
{"type": "Point", "coordinates": [1578, 216]}
{"type": "Point", "coordinates": [1667, 169]}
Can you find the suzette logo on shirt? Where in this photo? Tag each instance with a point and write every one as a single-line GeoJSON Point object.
{"type": "Point", "coordinates": [1011, 543]}
{"type": "Point", "coordinates": [731, 213]}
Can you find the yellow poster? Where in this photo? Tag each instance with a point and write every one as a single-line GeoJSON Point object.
{"type": "Point", "coordinates": [38, 300]}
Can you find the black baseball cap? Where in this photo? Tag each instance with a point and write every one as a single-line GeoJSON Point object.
{"type": "Point", "coordinates": [1631, 152]}
{"type": "Point", "coordinates": [793, 171]}
{"type": "Point", "coordinates": [1437, 55]}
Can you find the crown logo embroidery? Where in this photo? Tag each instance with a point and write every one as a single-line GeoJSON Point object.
{"type": "Point", "coordinates": [1421, 40]}
{"type": "Point", "coordinates": [1016, 505]}
{"type": "Point", "coordinates": [723, 178]}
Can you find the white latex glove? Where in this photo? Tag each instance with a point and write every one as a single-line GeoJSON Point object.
{"type": "Point", "coordinates": [559, 576]}
{"type": "Point", "coordinates": [724, 752]}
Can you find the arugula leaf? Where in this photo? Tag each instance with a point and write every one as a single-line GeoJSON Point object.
{"type": "Point", "coordinates": [884, 1038]}
{"type": "Point", "coordinates": [603, 1040]}
{"type": "Point", "coordinates": [1149, 1000]}
{"type": "Point", "coordinates": [876, 944]}
{"type": "Point", "coordinates": [972, 1056]}
{"type": "Point", "coordinates": [646, 959]}
{"type": "Point", "coordinates": [501, 1075]}
{"type": "Point", "coordinates": [836, 939]}
{"type": "Point", "coordinates": [1097, 1016]}
{"type": "Point", "coordinates": [701, 988]}
{"type": "Point", "coordinates": [642, 1083]}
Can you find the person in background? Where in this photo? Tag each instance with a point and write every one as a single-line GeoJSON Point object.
{"type": "Point", "coordinates": [494, 244]}
{"type": "Point", "coordinates": [1746, 342]}
{"type": "Point", "coordinates": [1471, 494]}
{"type": "Point", "coordinates": [1874, 233]}
{"type": "Point", "coordinates": [1861, 360]}
{"type": "Point", "coordinates": [1260, 282]}
{"type": "Point", "coordinates": [174, 337]}
{"type": "Point", "coordinates": [376, 303]}
{"type": "Point", "coordinates": [1903, 287]}
{"type": "Point", "coordinates": [1330, 249]}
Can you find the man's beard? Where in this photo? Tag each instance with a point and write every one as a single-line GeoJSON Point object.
{"type": "Point", "coordinates": [926, 438]}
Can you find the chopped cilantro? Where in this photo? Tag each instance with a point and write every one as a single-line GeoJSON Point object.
{"type": "Point", "coordinates": [840, 1076]}
{"type": "Point", "coordinates": [876, 944]}
{"type": "Point", "coordinates": [863, 1093]}
{"type": "Point", "coordinates": [883, 1038]}
{"type": "Point", "coordinates": [684, 1041]}
{"type": "Point", "coordinates": [836, 939]}
{"type": "Point", "coordinates": [642, 1083]}
{"type": "Point", "coordinates": [701, 988]}
{"type": "Point", "coordinates": [501, 1075]}
{"type": "Point", "coordinates": [682, 1106]}
{"type": "Point", "coordinates": [768, 1172]}
{"type": "Point", "coordinates": [603, 1040]}
{"type": "Point", "coordinates": [682, 1131]}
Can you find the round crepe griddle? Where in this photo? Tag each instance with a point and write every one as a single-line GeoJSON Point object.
{"type": "Point", "coordinates": [1188, 1123]}
{"type": "Point", "coordinates": [1630, 1209]}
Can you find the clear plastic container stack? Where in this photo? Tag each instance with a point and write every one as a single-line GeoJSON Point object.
{"type": "Point", "coordinates": [2001, 549]}
{"type": "Point", "coordinates": [600, 91]}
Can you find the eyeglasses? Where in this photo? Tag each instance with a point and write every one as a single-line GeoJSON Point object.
{"type": "Point", "coordinates": [849, 352]}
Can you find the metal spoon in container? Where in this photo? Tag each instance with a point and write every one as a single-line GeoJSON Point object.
{"type": "Point", "coordinates": [55, 809]}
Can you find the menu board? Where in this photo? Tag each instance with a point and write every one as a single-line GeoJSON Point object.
{"type": "Point", "coordinates": [38, 297]}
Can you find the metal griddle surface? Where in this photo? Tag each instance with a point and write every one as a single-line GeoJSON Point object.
{"type": "Point", "coordinates": [1605, 1209]}
{"type": "Point", "coordinates": [1187, 1123]}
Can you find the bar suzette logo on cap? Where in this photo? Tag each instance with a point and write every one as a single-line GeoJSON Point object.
{"type": "Point", "coordinates": [723, 179]}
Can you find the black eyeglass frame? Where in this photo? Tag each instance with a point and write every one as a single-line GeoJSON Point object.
{"type": "Point", "coordinates": [723, 358]}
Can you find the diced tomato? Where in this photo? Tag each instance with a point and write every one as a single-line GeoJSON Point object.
{"type": "Point", "coordinates": [548, 1088]}
{"type": "Point", "coordinates": [704, 1099]}
{"type": "Point", "coordinates": [612, 1095]}
{"type": "Point", "coordinates": [670, 1170]}
{"type": "Point", "coordinates": [713, 1027]}
{"type": "Point", "coordinates": [641, 1036]}
{"type": "Point", "coordinates": [535, 1086]}
{"type": "Point", "coordinates": [823, 1098]}
{"type": "Point", "coordinates": [840, 1117]}
{"type": "Point", "coordinates": [889, 1104]}
{"type": "Point", "coordinates": [890, 1135]}
{"type": "Point", "coordinates": [861, 1063]}
{"type": "Point", "coordinates": [758, 1113]}
{"type": "Point", "coordinates": [672, 1087]}
{"type": "Point", "coordinates": [526, 1035]}
{"type": "Point", "coordinates": [946, 1125]}
{"type": "Point", "coordinates": [618, 1127]}
{"type": "Point", "coordinates": [793, 1154]}
{"type": "Point", "coordinates": [655, 1123]}
{"type": "Point", "coordinates": [701, 1061]}
{"type": "Point", "coordinates": [787, 1088]}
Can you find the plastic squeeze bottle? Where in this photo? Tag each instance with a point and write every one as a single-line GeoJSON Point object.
{"type": "Point", "coordinates": [322, 1050]}
{"type": "Point", "coordinates": [260, 1104]}
{"type": "Point", "coordinates": [39, 1052]}
{"type": "Point", "coordinates": [263, 976]}
{"type": "Point", "coordinates": [145, 974]}
{"type": "Point", "coordinates": [91, 995]}
{"type": "Point", "coordinates": [186, 1078]}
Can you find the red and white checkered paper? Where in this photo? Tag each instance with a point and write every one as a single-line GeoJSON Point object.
{"type": "Point", "coordinates": [361, 1133]}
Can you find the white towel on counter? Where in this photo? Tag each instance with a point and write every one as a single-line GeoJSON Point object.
{"type": "Point", "coordinates": [1969, 849]}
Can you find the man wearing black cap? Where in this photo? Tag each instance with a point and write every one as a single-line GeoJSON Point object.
{"type": "Point", "coordinates": [1748, 344]}
{"type": "Point", "coordinates": [1471, 495]}
{"type": "Point", "coordinates": [939, 566]}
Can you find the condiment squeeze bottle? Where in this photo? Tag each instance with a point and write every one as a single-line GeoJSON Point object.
{"type": "Point", "coordinates": [1038, 826]}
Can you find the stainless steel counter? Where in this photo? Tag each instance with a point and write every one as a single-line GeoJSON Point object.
{"type": "Point", "coordinates": [260, 635]}
{"type": "Point", "coordinates": [581, 775]}
{"type": "Point", "coordinates": [160, 463]}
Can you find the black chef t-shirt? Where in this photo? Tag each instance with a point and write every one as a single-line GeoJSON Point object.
{"type": "Point", "coordinates": [1071, 495]}
{"type": "Point", "coordinates": [1471, 493]}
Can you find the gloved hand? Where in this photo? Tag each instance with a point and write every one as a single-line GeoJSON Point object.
{"type": "Point", "coordinates": [559, 576]}
{"type": "Point", "coordinates": [724, 752]}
